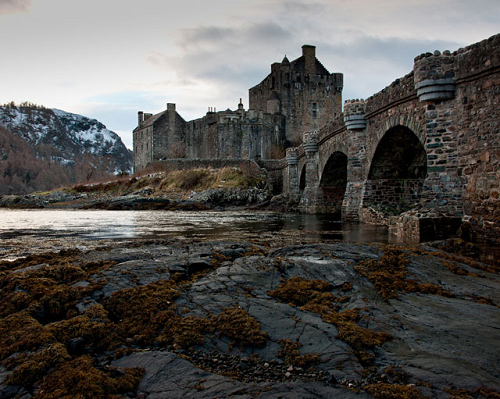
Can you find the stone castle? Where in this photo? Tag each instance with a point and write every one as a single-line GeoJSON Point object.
{"type": "Point", "coordinates": [296, 96]}
{"type": "Point", "coordinates": [422, 155]}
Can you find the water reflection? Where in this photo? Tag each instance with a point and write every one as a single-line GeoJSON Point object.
{"type": "Point", "coordinates": [161, 224]}
{"type": "Point", "coordinates": [57, 229]}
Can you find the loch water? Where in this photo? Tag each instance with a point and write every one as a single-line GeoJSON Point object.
{"type": "Point", "coordinates": [23, 232]}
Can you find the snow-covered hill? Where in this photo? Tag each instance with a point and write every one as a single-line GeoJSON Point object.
{"type": "Point", "coordinates": [72, 136]}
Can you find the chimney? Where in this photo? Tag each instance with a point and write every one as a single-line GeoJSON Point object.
{"type": "Point", "coordinates": [140, 117]}
{"type": "Point", "coordinates": [309, 54]}
{"type": "Point", "coordinates": [171, 115]}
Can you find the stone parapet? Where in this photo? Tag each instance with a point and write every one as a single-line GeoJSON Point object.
{"type": "Point", "coordinates": [292, 156]}
{"type": "Point", "coordinates": [354, 114]}
{"type": "Point", "coordinates": [436, 89]}
{"type": "Point", "coordinates": [435, 76]}
{"type": "Point", "coordinates": [311, 141]}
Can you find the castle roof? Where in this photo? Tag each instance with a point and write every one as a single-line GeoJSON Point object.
{"type": "Point", "coordinates": [285, 61]}
{"type": "Point", "coordinates": [152, 119]}
{"type": "Point", "coordinates": [300, 63]}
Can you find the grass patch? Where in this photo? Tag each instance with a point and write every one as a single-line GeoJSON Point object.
{"type": "Point", "coordinates": [180, 181]}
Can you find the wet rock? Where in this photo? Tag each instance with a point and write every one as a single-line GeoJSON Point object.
{"type": "Point", "coordinates": [437, 341]}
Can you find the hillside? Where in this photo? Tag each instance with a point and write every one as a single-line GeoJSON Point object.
{"type": "Point", "coordinates": [42, 149]}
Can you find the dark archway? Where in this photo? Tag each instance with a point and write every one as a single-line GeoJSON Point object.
{"type": "Point", "coordinates": [397, 172]}
{"type": "Point", "coordinates": [333, 183]}
{"type": "Point", "coordinates": [302, 181]}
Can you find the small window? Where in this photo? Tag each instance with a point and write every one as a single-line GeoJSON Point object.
{"type": "Point", "coordinates": [314, 110]}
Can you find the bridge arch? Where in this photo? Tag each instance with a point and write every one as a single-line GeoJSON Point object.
{"type": "Point", "coordinates": [397, 172]}
{"type": "Point", "coordinates": [302, 179]}
{"type": "Point", "coordinates": [333, 183]}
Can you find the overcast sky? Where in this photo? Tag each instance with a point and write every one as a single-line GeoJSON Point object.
{"type": "Point", "coordinates": [108, 59]}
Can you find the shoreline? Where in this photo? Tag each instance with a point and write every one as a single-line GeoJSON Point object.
{"type": "Point", "coordinates": [174, 317]}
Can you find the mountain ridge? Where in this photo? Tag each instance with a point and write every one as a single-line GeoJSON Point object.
{"type": "Point", "coordinates": [80, 148]}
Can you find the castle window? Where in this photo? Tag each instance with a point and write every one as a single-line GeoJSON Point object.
{"type": "Point", "coordinates": [273, 82]}
{"type": "Point", "coordinates": [314, 110]}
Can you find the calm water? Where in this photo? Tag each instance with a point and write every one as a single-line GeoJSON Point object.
{"type": "Point", "coordinates": [29, 231]}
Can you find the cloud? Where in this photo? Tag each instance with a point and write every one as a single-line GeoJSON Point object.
{"type": "Point", "coordinates": [226, 56]}
{"type": "Point", "coordinates": [14, 6]}
{"type": "Point", "coordinates": [370, 63]}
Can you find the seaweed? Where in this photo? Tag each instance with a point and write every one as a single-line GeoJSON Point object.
{"type": "Point", "coordinates": [32, 368]}
{"type": "Point", "coordinates": [236, 324]}
{"type": "Point", "coordinates": [290, 350]}
{"type": "Point", "coordinates": [80, 379]}
{"type": "Point", "coordinates": [393, 391]}
{"type": "Point", "coordinates": [310, 295]}
{"type": "Point", "coordinates": [300, 291]}
{"type": "Point", "coordinates": [21, 332]}
{"type": "Point", "coordinates": [142, 312]}
{"type": "Point", "coordinates": [389, 275]}
{"type": "Point", "coordinates": [185, 332]}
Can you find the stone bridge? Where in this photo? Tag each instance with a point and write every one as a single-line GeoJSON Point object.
{"type": "Point", "coordinates": [422, 155]}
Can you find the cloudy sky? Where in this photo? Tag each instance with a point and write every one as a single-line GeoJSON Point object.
{"type": "Point", "coordinates": [108, 59]}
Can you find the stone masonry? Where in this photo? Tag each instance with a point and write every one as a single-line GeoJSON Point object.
{"type": "Point", "coordinates": [421, 156]}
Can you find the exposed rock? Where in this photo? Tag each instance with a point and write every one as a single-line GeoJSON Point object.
{"type": "Point", "coordinates": [322, 340]}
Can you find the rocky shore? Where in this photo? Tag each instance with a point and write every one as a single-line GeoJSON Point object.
{"type": "Point", "coordinates": [184, 318]}
{"type": "Point", "coordinates": [144, 199]}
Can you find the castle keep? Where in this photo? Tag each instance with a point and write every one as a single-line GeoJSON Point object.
{"type": "Point", "coordinates": [296, 96]}
{"type": "Point", "coordinates": [422, 155]}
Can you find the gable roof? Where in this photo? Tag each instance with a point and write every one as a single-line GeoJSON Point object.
{"type": "Point", "coordinates": [152, 119]}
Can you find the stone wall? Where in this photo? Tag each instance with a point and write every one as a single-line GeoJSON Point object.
{"type": "Point", "coordinates": [478, 134]}
{"type": "Point", "coordinates": [143, 147]}
{"type": "Point", "coordinates": [392, 194]}
{"type": "Point", "coordinates": [450, 104]}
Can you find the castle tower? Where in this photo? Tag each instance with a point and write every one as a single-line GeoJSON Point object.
{"type": "Point", "coordinates": [303, 91]}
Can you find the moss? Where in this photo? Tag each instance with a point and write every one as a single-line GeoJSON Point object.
{"type": "Point", "coordinates": [239, 326]}
{"type": "Point", "coordinates": [393, 391]}
{"type": "Point", "coordinates": [80, 379]}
